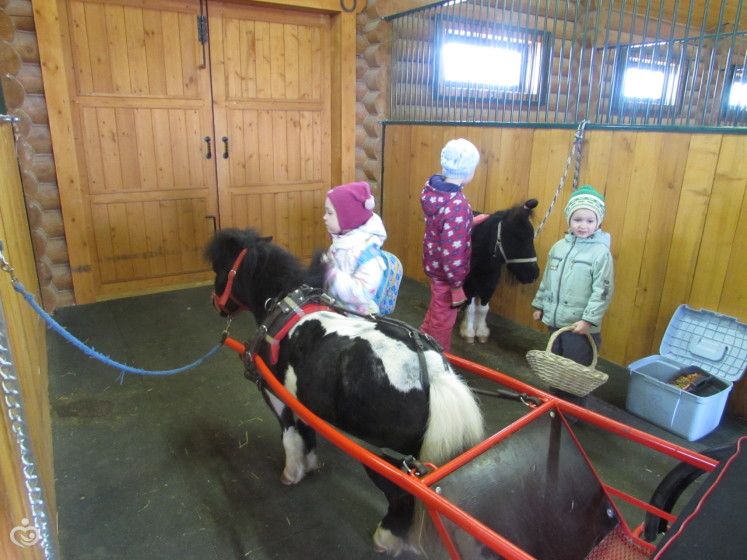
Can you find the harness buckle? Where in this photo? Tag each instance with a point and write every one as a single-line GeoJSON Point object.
{"type": "Point", "coordinates": [411, 465]}
{"type": "Point", "coordinates": [407, 463]}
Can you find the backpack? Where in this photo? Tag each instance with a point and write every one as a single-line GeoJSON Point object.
{"type": "Point", "coordinates": [386, 294]}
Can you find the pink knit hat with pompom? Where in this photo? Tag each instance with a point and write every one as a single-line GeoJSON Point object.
{"type": "Point", "coordinates": [353, 203]}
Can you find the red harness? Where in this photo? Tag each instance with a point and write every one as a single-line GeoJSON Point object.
{"type": "Point", "coordinates": [273, 337]}
{"type": "Point", "coordinates": [283, 316]}
{"type": "Point", "coordinates": [219, 302]}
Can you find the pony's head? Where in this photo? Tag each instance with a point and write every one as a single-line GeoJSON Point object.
{"type": "Point", "coordinates": [249, 270]}
{"type": "Point", "coordinates": [515, 242]}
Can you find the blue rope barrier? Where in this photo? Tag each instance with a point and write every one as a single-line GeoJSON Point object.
{"type": "Point", "coordinates": [124, 368]}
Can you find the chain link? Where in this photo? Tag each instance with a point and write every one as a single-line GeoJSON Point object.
{"type": "Point", "coordinates": [576, 153]}
{"type": "Point", "coordinates": [14, 408]}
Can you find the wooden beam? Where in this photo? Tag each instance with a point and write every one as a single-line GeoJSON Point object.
{"type": "Point", "coordinates": [329, 6]}
{"type": "Point", "coordinates": [27, 345]}
{"type": "Point", "coordinates": [56, 72]}
{"type": "Point", "coordinates": [343, 98]}
{"type": "Point", "coordinates": [392, 7]}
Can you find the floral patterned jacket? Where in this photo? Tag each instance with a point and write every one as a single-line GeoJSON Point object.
{"type": "Point", "coordinates": [447, 245]}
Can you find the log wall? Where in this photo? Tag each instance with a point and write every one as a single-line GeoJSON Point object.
{"type": "Point", "coordinates": [24, 96]}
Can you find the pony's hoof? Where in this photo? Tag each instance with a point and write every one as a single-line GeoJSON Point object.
{"type": "Point", "coordinates": [387, 542]}
{"type": "Point", "coordinates": [289, 479]}
{"type": "Point", "coordinates": [482, 339]}
{"type": "Point", "coordinates": [312, 462]}
{"type": "Point", "coordinates": [469, 339]}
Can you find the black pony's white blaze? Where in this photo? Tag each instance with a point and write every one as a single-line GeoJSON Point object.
{"type": "Point", "coordinates": [504, 238]}
{"type": "Point", "coordinates": [362, 376]}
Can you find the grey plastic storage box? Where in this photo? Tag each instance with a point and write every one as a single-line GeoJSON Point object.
{"type": "Point", "coordinates": [714, 343]}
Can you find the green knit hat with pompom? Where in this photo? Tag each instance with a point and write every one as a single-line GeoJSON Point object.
{"type": "Point", "coordinates": [586, 197]}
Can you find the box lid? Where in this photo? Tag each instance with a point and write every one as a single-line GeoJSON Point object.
{"type": "Point", "coordinates": [715, 342]}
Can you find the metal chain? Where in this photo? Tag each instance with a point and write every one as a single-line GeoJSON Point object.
{"type": "Point", "coordinates": [13, 399]}
{"type": "Point", "coordinates": [14, 405]}
{"type": "Point", "coordinates": [576, 153]}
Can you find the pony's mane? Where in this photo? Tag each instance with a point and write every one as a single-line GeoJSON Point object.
{"type": "Point", "coordinates": [515, 216]}
{"type": "Point", "coordinates": [280, 271]}
{"type": "Point", "coordinates": [518, 217]}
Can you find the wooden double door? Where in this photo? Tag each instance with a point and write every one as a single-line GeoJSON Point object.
{"type": "Point", "coordinates": [188, 116]}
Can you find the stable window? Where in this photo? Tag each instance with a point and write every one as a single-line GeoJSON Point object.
{"type": "Point", "coordinates": [479, 61]}
{"type": "Point", "coordinates": [649, 78]}
{"type": "Point", "coordinates": [734, 99]}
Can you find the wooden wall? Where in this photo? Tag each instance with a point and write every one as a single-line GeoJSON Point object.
{"type": "Point", "coordinates": [26, 334]}
{"type": "Point", "coordinates": [677, 213]}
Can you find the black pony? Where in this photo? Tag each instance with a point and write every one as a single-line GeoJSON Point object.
{"type": "Point", "coordinates": [363, 376]}
{"type": "Point", "coordinates": [505, 237]}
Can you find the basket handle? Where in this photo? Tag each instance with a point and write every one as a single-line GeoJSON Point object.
{"type": "Point", "coordinates": [561, 330]}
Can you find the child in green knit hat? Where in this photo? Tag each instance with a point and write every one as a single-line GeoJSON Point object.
{"type": "Point", "coordinates": [578, 280]}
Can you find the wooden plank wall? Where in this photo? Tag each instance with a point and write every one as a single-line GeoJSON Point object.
{"type": "Point", "coordinates": [677, 213]}
{"type": "Point", "coordinates": [26, 334]}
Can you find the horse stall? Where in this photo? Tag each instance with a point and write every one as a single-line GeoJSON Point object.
{"type": "Point", "coordinates": [138, 130]}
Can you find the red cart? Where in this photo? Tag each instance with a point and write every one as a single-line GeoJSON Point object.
{"type": "Point", "coordinates": [550, 477]}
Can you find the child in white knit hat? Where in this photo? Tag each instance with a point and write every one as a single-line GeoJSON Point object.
{"type": "Point", "coordinates": [447, 243]}
{"type": "Point", "coordinates": [578, 281]}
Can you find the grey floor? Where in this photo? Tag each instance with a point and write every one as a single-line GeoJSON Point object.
{"type": "Point", "coordinates": [188, 466]}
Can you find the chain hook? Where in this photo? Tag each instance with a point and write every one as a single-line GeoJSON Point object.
{"type": "Point", "coordinates": [5, 266]}
{"type": "Point", "coordinates": [574, 157]}
{"type": "Point", "coordinates": [225, 333]}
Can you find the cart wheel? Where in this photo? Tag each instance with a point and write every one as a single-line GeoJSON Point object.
{"type": "Point", "coordinates": [673, 485]}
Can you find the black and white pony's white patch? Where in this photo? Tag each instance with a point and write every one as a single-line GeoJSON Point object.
{"type": "Point", "coordinates": [362, 376]}
{"type": "Point", "coordinates": [504, 238]}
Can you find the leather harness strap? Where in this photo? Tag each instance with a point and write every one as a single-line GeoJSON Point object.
{"type": "Point", "coordinates": [284, 314]}
{"type": "Point", "coordinates": [499, 247]}
{"type": "Point", "coordinates": [220, 301]}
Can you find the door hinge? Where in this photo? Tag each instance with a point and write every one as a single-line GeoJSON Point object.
{"type": "Point", "coordinates": [202, 29]}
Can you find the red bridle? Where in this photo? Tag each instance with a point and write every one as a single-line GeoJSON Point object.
{"type": "Point", "coordinates": [219, 302]}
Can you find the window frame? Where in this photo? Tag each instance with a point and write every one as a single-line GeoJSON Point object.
{"type": "Point", "coordinates": [634, 106]}
{"type": "Point", "coordinates": [470, 91]}
{"type": "Point", "coordinates": [732, 115]}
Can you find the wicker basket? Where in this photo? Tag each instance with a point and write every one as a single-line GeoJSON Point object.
{"type": "Point", "coordinates": [563, 373]}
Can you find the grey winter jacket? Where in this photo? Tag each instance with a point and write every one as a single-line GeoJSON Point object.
{"type": "Point", "coordinates": [578, 281]}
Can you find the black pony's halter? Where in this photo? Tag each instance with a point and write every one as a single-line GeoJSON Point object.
{"type": "Point", "coordinates": [499, 248]}
{"type": "Point", "coordinates": [220, 301]}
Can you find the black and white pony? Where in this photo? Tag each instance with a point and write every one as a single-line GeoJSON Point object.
{"type": "Point", "coordinates": [362, 376]}
{"type": "Point", "coordinates": [506, 237]}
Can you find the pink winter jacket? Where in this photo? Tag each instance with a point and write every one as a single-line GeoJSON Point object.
{"type": "Point", "coordinates": [447, 245]}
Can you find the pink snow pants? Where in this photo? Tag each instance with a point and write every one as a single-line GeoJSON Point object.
{"type": "Point", "coordinates": [440, 318]}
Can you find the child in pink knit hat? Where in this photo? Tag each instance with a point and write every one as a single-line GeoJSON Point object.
{"type": "Point", "coordinates": [354, 228]}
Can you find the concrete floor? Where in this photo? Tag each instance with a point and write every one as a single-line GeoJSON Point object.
{"type": "Point", "coordinates": [188, 466]}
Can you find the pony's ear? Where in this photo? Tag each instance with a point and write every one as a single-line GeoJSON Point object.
{"type": "Point", "coordinates": [531, 204]}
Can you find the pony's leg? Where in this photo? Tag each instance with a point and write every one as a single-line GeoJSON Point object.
{"type": "Point", "coordinates": [310, 459]}
{"type": "Point", "coordinates": [481, 325]}
{"type": "Point", "coordinates": [295, 467]}
{"type": "Point", "coordinates": [392, 532]}
{"type": "Point", "coordinates": [467, 327]}
{"type": "Point", "coordinates": [293, 442]}
{"type": "Point", "coordinates": [299, 442]}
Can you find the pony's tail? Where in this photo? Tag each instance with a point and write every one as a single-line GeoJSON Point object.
{"type": "Point", "coordinates": [455, 422]}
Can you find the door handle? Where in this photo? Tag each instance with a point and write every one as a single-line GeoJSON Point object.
{"type": "Point", "coordinates": [225, 147]}
{"type": "Point", "coordinates": [208, 153]}
{"type": "Point", "coordinates": [215, 222]}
